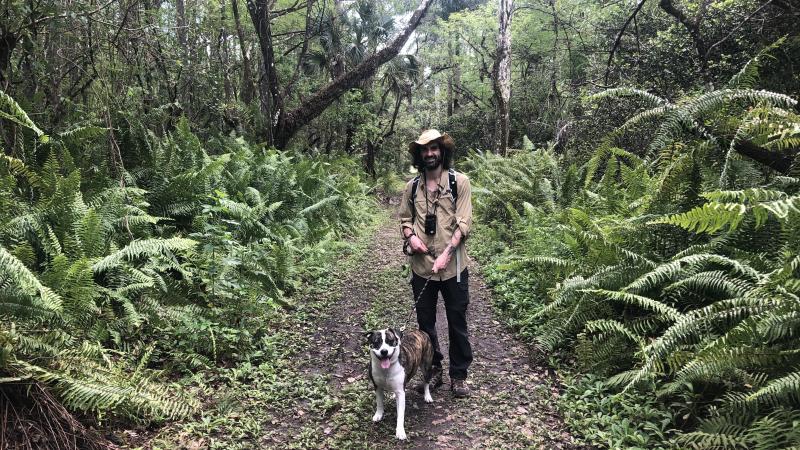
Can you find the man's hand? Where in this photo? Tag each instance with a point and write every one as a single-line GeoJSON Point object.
{"type": "Point", "coordinates": [416, 244]}
{"type": "Point", "coordinates": [442, 260]}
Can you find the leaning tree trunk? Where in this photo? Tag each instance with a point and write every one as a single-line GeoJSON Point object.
{"type": "Point", "coordinates": [294, 120]}
{"type": "Point", "coordinates": [283, 125]}
{"type": "Point", "coordinates": [502, 77]}
{"type": "Point", "coordinates": [317, 103]}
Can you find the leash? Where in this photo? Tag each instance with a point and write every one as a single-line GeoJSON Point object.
{"type": "Point", "coordinates": [403, 328]}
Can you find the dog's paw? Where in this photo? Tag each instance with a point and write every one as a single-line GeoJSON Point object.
{"type": "Point", "coordinates": [400, 434]}
{"type": "Point", "coordinates": [428, 398]}
{"type": "Point", "coordinates": [377, 417]}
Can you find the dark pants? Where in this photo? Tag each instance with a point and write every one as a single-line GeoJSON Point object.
{"type": "Point", "coordinates": [456, 300]}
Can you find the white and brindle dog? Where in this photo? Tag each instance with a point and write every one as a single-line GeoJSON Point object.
{"type": "Point", "coordinates": [394, 358]}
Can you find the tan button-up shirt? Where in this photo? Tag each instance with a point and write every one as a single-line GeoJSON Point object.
{"type": "Point", "coordinates": [449, 216]}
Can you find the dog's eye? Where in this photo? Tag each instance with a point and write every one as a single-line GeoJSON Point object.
{"type": "Point", "coordinates": [391, 341]}
{"type": "Point", "coordinates": [376, 342]}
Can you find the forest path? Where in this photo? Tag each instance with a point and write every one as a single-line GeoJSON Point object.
{"type": "Point", "coordinates": [512, 403]}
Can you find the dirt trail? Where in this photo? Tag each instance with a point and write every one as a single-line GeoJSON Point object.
{"type": "Point", "coordinates": [512, 403]}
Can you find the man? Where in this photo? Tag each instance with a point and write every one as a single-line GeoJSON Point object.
{"type": "Point", "coordinates": [435, 224]}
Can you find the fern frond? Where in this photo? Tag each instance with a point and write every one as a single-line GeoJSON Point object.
{"type": "Point", "coordinates": [715, 281]}
{"type": "Point", "coordinates": [10, 110]}
{"type": "Point", "coordinates": [319, 204]}
{"type": "Point", "coordinates": [714, 100]}
{"type": "Point", "coordinates": [748, 75]}
{"type": "Point", "coordinates": [709, 218]}
{"type": "Point", "coordinates": [664, 311]}
{"type": "Point", "coordinates": [650, 114]}
{"type": "Point", "coordinates": [780, 391]}
{"type": "Point", "coordinates": [19, 168]}
{"type": "Point", "coordinates": [613, 327]}
{"type": "Point", "coordinates": [628, 92]}
{"type": "Point", "coordinates": [83, 133]}
{"type": "Point", "coordinates": [13, 268]}
{"type": "Point", "coordinates": [144, 247]}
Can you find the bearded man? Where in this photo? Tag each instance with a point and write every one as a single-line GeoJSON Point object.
{"type": "Point", "coordinates": [435, 219]}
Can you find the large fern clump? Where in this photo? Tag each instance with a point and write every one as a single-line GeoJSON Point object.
{"type": "Point", "coordinates": [671, 269]}
{"type": "Point", "coordinates": [116, 272]}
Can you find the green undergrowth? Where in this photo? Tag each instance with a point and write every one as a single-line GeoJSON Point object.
{"type": "Point", "coordinates": [120, 278]}
{"type": "Point", "coordinates": [597, 414]}
{"type": "Point", "coordinates": [616, 420]}
{"type": "Point", "coordinates": [664, 281]}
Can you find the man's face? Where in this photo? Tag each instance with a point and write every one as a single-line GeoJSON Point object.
{"type": "Point", "coordinates": [431, 155]}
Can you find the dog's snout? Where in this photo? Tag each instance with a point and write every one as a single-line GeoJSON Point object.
{"type": "Point", "coordinates": [384, 352]}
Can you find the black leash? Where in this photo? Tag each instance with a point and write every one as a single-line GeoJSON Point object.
{"type": "Point", "coordinates": [403, 328]}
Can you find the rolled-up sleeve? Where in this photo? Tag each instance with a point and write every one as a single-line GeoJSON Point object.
{"type": "Point", "coordinates": [464, 207]}
{"type": "Point", "coordinates": [404, 211]}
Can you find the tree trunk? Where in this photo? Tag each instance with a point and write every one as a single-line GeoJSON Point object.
{"type": "Point", "coordinates": [451, 95]}
{"type": "Point", "coordinates": [222, 53]}
{"type": "Point", "coordinates": [268, 88]}
{"type": "Point", "coordinates": [502, 77]}
{"type": "Point", "coordinates": [186, 89]}
{"type": "Point", "coordinates": [779, 161]}
{"type": "Point", "coordinates": [248, 89]}
{"type": "Point", "coordinates": [337, 64]}
{"type": "Point", "coordinates": [8, 41]}
{"type": "Point", "coordinates": [180, 10]}
{"type": "Point", "coordinates": [457, 77]}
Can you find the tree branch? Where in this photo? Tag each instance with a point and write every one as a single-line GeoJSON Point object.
{"type": "Point", "coordinates": [619, 38]}
{"type": "Point", "coordinates": [739, 25]}
{"type": "Point", "coordinates": [781, 162]}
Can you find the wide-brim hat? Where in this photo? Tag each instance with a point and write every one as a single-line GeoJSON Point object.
{"type": "Point", "coordinates": [431, 135]}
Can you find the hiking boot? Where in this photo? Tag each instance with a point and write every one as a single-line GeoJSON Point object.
{"type": "Point", "coordinates": [436, 380]}
{"type": "Point", "coordinates": [459, 388]}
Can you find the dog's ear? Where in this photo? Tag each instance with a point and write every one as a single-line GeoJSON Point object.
{"type": "Point", "coordinates": [397, 333]}
{"type": "Point", "coordinates": [368, 334]}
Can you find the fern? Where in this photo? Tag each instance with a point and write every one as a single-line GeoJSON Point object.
{"type": "Point", "coordinates": [628, 92]}
{"type": "Point", "coordinates": [613, 327]}
{"type": "Point", "coordinates": [10, 110]}
{"type": "Point", "coordinates": [715, 215]}
{"type": "Point", "coordinates": [780, 391]}
{"type": "Point", "coordinates": [664, 311]}
{"type": "Point", "coordinates": [140, 248]}
{"type": "Point", "coordinates": [13, 268]}
{"type": "Point", "coordinates": [748, 75]}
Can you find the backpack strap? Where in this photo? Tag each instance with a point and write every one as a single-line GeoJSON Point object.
{"type": "Point", "coordinates": [414, 186]}
{"type": "Point", "coordinates": [453, 186]}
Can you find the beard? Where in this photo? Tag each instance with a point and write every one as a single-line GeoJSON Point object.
{"type": "Point", "coordinates": [432, 163]}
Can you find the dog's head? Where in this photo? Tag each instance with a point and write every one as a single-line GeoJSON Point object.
{"type": "Point", "coordinates": [384, 344]}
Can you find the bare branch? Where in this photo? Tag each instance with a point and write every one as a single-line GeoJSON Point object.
{"type": "Point", "coordinates": [739, 25]}
{"type": "Point", "coordinates": [619, 38]}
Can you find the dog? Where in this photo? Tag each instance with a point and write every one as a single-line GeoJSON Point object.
{"type": "Point", "coordinates": [394, 358]}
